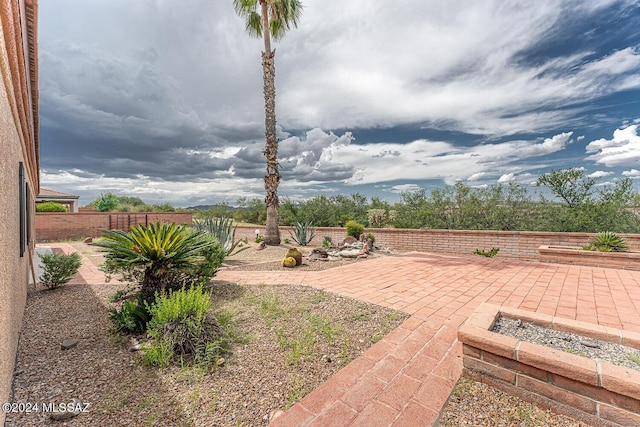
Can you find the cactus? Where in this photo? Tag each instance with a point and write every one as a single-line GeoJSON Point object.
{"type": "Point", "coordinates": [295, 254]}
{"type": "Point", "coordinates": [289, 262]}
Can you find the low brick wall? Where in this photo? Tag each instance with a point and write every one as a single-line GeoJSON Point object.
{"type": "Point", "coordinates": [595, 392]}
{"type": "Point", "coordinates": [52, 226]}
{"type": "Point", "coordinates": [512, 244]}
{"type": "Point", "coordinates": [564, 255]}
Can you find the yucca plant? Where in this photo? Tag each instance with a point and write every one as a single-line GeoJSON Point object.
{"type": "Point", "coordinates": [223, 230]}
{"type": "Point", "coordinates": [304, 233]}
{"type": "Point", "coordinates": [156, 256]}
{"type": "Point", "coordinates": [608, 241]}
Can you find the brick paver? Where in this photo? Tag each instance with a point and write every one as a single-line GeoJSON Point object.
{"type": "Point", "coordinates": [405, 378]}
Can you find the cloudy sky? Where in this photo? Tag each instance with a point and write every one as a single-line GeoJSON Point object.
{"type": "Point", "coordinates": [162, 99]}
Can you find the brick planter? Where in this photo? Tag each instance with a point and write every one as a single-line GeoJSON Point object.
{"type": "Point", "coordinates": [571, 255]}
{"type": "Point", "coordinates": [595, 392]}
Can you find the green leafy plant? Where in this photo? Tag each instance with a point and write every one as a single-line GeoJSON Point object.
{"type": "Point", "coordinates": [304, 233]}
{"type": "Point", "coordinates": [607, 242]}
{"type": "Point", "coordinates": [106, 202]}
{"type": "Point", "coordinates": [354, 229]}
{"type": "Point", "coordinates": [58, 269]}
{"type": "Point", "coordinates": [286, 241]}
{"type": "Point", "coordinates": [132, 317]}
{"type": "Point", "coordinates": [222, 229]}
{"type": "Point", "coordinates": [326, 242]}
{"type": "Point", "coordinates": [489, 254]}
{"type": "Point", "coordinates": [160, 256]}
{"type": "Point", "coordinates": [182, 329]}
{"type": "Point", "coordinates": [259, 238]}
{"type": "Point", "coordinates": [50, 207]}
{"type": "Point", "coordinates": [372, 237]}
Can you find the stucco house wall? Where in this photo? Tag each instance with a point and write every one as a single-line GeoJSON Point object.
{"type": "Point", "coordinates": [19, 172]}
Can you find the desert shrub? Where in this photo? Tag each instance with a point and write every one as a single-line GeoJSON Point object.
{"type": "Point", "coordinates": [377, 217]}
{"type": "Point", "coordinates": [372, 237]}
{"type": "Point", "coordinates": [607, 242]}
{"type": "Point", "coordinates": [183, 329]}
{"type": "Point", "coordinates": [489, 254]}
{"type": "Point", "coordinates": [326, 242]}
{"type": "Point", "coordinates": [58, 269]}
{"type": "Point", "coordinates": [132, 317]}
{"type": "Point", "coordinates": [259, 238]}
{"type": "Point", "coordinates": [304, 233]}
{"type": "Point", "coordinates": [354, 229]}
{"type": "Point", "coordinates": [50, 207]}
{"type": "Point", "coordinates": [160, 256]}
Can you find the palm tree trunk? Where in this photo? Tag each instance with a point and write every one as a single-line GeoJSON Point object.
{"type": "Point", "coordinates": [271, 176]}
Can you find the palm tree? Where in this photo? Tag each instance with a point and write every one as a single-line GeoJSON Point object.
{"type": "Point", "coordinates": [266, 19]}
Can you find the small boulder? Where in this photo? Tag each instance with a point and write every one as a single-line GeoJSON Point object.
{"type": "Point", "coordinates": [69, 343]}
{"type": "Point", "coordinates": [261, 246]}
{"type": "Point", "coordinates": [88, 240]}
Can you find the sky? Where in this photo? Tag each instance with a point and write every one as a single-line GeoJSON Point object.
{"type": "Point", "coordinates": [162, 99]}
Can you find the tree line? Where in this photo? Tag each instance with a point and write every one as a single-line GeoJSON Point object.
{"type": "Point", "coordinates": [578, 204]}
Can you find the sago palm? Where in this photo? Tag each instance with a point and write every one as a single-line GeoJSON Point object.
{"type": "Point", "coordinates": [158, 251]}
{"type": "Point", "coordinates": [266, 19]}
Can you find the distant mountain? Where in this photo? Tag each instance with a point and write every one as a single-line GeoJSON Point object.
{"type": "Point", "coordinates": [207, 207]}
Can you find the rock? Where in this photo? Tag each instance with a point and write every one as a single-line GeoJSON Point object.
{"type": "Point", "coordinates": [275, 414]}
{"type": "Point", "coordinates": [362, 256]}
{"type": "Point", "coordinates": [240, 244]}
{"type": "Point", "coordinates": [349, 240]}
{"type": "Point", "coordinates": [88, 240]}
{"type": "Point", "coordinates": [75, 407]}
{"type": "Point", "coordinates": [134, 345]}
{"type": "Point", "coordinates": [261, 246]}
{"type": "Point", "coordinates": [69, 343]}
{"type": "Point", "coordinates": [349, 253]}
{"type": "Point", "coordinates": [318, 254]}
{"type": "Point", "coordinates": [589, 343]}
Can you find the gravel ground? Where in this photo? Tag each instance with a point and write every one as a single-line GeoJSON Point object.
{"type": "Point", "coordinates": [290, 340]}
{"type": "Point", "coordinates": [587, 347]}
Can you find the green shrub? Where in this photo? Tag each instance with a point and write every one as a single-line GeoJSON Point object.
{"type": "Point", "coordinates": [304, 233]}
{"type": "Point", "coordinates": [107, 202]}
{"type": "Point", "coordinates": [183, 330]}
{"type": "Point", "coordinates": [372, 237]}
{"type": "Point", "coordinates": [50, 207]}
{"type": "Point", "coordinates": [132, 317]}
{"type": "Point", "coordinates": [58, 269]}
{"type": "Point", "coordinates": [607, 242]}
{"type": "Point", "coordinates": [259, 238]}
{"type": "Point", "coordinates": [354, 229]}
{"type": "Point", "coordinates": [489, 254]}
{"type": "Point", "coordinates": [326, 242]}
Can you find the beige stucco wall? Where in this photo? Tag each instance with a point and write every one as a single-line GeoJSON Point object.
{"type": "Point", "coordinates": [13, 268]}
{"type": "Point", "coordinates": [18, 143]}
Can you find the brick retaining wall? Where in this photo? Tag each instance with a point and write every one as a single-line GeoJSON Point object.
{"type": "Point", "coordinates": [592, 391]}
{"type": "Point", "coordinates": [512, 244]}
{"type": "Point", "coordinates": [51, 226]}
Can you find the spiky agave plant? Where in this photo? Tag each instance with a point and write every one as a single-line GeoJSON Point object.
{"type": "Point", "coordinates": [608, 241]}
{"type": "Point", "coordinates": [223, 230]}
{"type": "Point", "coordinates": [154, 254]}
{"type": "Point", "coordinates": [304, 233]}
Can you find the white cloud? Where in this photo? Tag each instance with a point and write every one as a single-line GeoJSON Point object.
{"type": "Point", "coordinates": [600, 174]}
{"type": "Point", "coordinates": [621, 150]}
{"type": "Point", "coordinates": [633, 173]}
{"type": "Point", "coordinates": [400, 188]}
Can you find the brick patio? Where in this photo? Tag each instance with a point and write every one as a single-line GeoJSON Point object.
{"type": "Point", "coordinates": [406, 378]}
